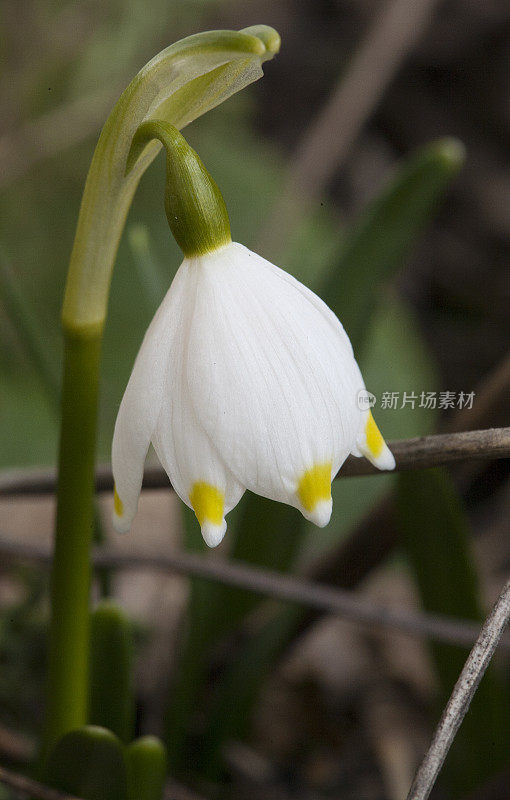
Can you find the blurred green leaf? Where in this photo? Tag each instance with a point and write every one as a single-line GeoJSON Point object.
{"type": "Point", "coordinates": [28, 329]}
{"type": "Point", "coordinates": [29, 426]}
{"type": "Point", "coordinates": [23, 635]}
{"type": "Point", "coordinates": [88, 763]}
{"type": "Point", "coordinates": [111, 667]}
{"type": "Point", "coordinates": [396, 358]}
{"type": "Point", "coordinates": [239, 687]}
{"type": "Point", "coordinates": [23, 399]}
{"type": "Point", "coordinates": [196, 640]}
{"type": "Point", "coordinates": [146, 769]}
{"type": "Point", "coordinates": [386, 232]}
{"type": "Point", "coordinates": [436, 539]}
{"type": "Point", "coordinates": [214, 611]}
{"type": "Point", "coordinates": [124, 29]}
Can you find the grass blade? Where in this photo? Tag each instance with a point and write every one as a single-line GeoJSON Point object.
{"type": "Point", "coordinates": [111, 682]}
{"type": "Point", "coordinates": [146, 769]}
{"type": "Point", "coordinates": [380, 242]}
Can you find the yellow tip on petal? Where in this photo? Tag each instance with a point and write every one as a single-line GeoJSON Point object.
{"type": "Point", "coordinates": [374, 447]}
{"type": "Point", "coordinates": [314, 487]}
{"type": "Point", "coordinates": [118, 505]}
{"type": "Point", "coordinates": [375, 441]}
{"type": "Point", "coordinates": [207, 502]}
{"type": "Point", "coordinates": [121, 523]}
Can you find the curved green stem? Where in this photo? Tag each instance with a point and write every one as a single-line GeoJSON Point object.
{"type": "Point", "coordinates": [178, 85]}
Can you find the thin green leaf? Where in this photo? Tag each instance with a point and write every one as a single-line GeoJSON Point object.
{"type": "Point", "coordinates": [88, 763]}
{"type": "Point", "coordinates": [213, 612]}
{"type": "Point", "coordinates": [197, 640]}
{"type": "Point", "coordinates": [146, 769]}
{"type": "Point", "coordinates": [111, 667]}
{"type": "Point", "coordinates": [25, 322]}
{"type": "Point", "coordinates": [240, 687]}
{"type": "Point", "coordinates": [388, 229]}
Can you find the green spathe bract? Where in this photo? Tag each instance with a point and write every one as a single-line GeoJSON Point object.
{"type": "Point", "coordinates": [194, 206]}
{"type": "Point", "coordinates": [177, 86]}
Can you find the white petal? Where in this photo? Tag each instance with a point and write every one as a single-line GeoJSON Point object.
{"type": "Point", "coordinates": [378, 453]}
{"type": "Point", "coordinates": [213, 533]}
{"type": "Point", "coordinates": [141, 404]}
{"type": "Point", "coordinates": [321, 513]}
{"type": "Point", "coordinates": [196, 471]}
{"type": "Point", "coordinates": [272, 377]}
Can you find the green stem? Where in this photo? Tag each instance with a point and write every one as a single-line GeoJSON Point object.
{"type": "Point", "coordinates": [176, 86]}
{"type": "Point", "coordinates": [67, 696]}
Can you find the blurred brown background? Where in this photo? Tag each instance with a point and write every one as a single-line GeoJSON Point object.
{"type": "Point", "coordinates": [349, 713]}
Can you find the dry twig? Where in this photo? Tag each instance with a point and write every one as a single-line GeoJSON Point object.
{"type": "Point", "coordinates": [410, 454]}
{"type": "Point", "coordinates": [27, 787]}
{"type": "Point", "coordinates": [15, 746]}
{"type": "Point", "coordinates": [463, 692]}
{"type": "Point", "coordinates": [274, 585]}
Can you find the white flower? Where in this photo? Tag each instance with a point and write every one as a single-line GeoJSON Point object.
{"type": "Point", "coordinates": [245, 380]}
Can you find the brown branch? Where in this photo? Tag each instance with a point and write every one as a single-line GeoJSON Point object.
{"type": "Point", "coordinates": [464, 690]}
{"type": "Point", "coordinates": [410, 454]}
{"type": "Point", "coordinates": [272, 584]}
{"type": "Point", "coordinates": [440, 449]}
{"type": "Point", "coordinates": [16, 746]}
{"type": "Point", "coordinates": [26, 786]}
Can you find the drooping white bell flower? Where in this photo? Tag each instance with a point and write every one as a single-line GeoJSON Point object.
{"type": "Point", "coordinates": [245, 380]}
